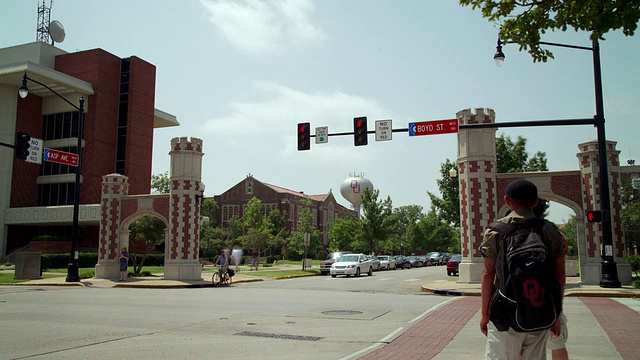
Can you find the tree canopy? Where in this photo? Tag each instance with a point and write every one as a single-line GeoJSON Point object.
{"type": "Point", "coordinates": [523, 22]}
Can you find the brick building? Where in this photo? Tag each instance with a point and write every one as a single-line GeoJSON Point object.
{"type": "Point", "coordinates": [119, 121]}
{"type": "Point", "coordinates": [324, 207]}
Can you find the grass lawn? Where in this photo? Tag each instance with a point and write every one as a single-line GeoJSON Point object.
{"type": "Point", "coordinates": [7, 278]}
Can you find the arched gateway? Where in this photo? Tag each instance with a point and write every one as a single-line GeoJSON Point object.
{"type": "Point", "coordinates": [180, 211]}
{"type": "Point", "coordinates": [482, 190]}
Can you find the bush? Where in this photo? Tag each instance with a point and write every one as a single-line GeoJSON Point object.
{"type": "Point", "coordinates": [272, 258]}
{"type": "Point", "coordinates": [50, 238]}
{"type": "Point", "coordinates": [151, 260]}
{"type": "Point", "coordinates": [61, 261]}
{"type": "Point", "coordinates": [634, 262]}
{"type": "Point", "coordinates": [636, 283]}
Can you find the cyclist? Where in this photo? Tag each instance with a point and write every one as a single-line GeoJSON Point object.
{"type": "Point", "coordinates": [222, 262]}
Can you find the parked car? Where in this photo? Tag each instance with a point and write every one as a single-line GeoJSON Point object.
{"type": "Point", "coordinates": [387, 262]}
{"type": "Point", "coordinates": [352, 264]}
{"type": "Point", "coordinates": [375, 262]}
{"type": "Point", "coordinates": [446, 256]}
{"type": "Point", "coordinates": [415, 261]}
{"type": "Point", "coordinates": [436, 258]}
{"type": "Point", "coordinates": [425, 260]}
{"type": "Point", "coordinates": [402, 262]}
{"type": "Point", "coordinates": [325, 265]}
{"type": "Point", "coordinates": [452, 265]}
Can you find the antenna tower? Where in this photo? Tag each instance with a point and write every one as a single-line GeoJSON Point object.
{"type": "Point", "coordinates": [44, 17]}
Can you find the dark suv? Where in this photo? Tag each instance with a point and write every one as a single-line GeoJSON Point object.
{"type": "Point", "coordinates": [325, 265]}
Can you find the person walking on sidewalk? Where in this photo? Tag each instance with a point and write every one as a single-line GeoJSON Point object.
{"type": "Point", "coordinates": [557, 344]}
{"type": "Point", "coordinates": [510, 342]}
{"type": "Point", "coordinates": [124, 263]}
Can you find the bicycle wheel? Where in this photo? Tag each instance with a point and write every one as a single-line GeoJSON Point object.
{"type": "Point", "coordinates": [216, 279]}
{"type": "Point", "coordinates": [226, 280]}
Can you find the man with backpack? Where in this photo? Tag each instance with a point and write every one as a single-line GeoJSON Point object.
{"type": "Point", "coordinates": [522, 280]}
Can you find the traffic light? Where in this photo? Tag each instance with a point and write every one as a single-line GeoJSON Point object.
{"type": "Point", "coordinates": [304, 136]}
{"type": "Point", "coordinates": [360, 131]}
{"type": "Point", "coordinates": [594, 216]}
{"type": "Point", "coordinates": [22, 145]}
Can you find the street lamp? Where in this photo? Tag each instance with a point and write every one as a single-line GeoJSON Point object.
{"type": "Point", "coordinates": [609, 269]}
{"type": "Point", "coordinates": [72, 268]}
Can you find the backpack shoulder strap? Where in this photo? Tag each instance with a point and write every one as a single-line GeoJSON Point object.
{"type": "Point", "coordinates": [502, 228]}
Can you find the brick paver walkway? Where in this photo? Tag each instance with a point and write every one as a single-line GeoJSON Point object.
{"type": "Point", "coordinates": [432, 334]}
{"type": "Point", "coordinates": [618, 321]}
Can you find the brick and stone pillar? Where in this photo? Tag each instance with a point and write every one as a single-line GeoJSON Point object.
{"type": "Point", "coordinates": [477, 181]}
{"type": "Point", "coordinates": [114, 188]}
{"type": "Point", "coordinates": [592, 249]}
{"type": "Point", "coordinates": [181, 261]}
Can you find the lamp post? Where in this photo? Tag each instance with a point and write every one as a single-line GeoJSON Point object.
{"type": "Point", "coordinates": [72, 268]}
{"type": "Point", "coordinates": [609, 269]}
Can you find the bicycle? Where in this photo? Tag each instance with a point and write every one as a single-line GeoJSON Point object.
{"type": "Point", "coordinates": [220, 278]}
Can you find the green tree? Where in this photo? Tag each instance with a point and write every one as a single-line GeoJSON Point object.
{"type": "Point", "coordinates": [403, 221]}
{"type": "Point", "coordinates": [375, 220]}
{"type": "Point", "coordinates": [160, 183]}
{"type": "Point", "coordinates": [209, 208]}
{"type": "Point", "coordinates": [257, 228]}
{"type": "Point", "coordinates": [344, 233]}
{"type": "Point", "coordinates": [512, 156]}
{"type": "Point", "coordinates": [146, 232]}
{"type": "Point", "coordinates": [523, 22]}
{"type": "Point", "coordinates": [305, 225]}
{"type": "Point", "coordinates": [630, 215]}
{"type": "Point", "coordinates": [447, 207]}
{"type": "Point", "coordinates": [570, 232]}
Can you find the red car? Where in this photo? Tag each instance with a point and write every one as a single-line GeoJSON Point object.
{"type": "Point", "coordinates": [452, 265]}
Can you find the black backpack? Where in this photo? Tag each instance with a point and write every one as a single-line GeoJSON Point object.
{"type": "Point", "coordinates": [528, 295]}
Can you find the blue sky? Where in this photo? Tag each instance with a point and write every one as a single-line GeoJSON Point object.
{"type": "Point", "coordinates": [240, 74]}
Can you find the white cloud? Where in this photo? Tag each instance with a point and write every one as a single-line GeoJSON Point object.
{"type": "Point", "coordinates": [257, 26]}
{"type": "Point", "coordinates": [269, 119]}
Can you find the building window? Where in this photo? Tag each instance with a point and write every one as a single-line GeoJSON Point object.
{"type": "Point", "coordinates": [123, 116]}
{"type": "Point", "coordinates": [229, 211]}
{"type": "Point", "coordinates": [60, 126]}
{"type": "Point", "coordinates": [314, 214]}
{"type": "Point", "coordinates": [248, 186]}
{"type": "Point", "coordinates": [268, 208]}
{"type": "Point", "coordinates": [56, 194]}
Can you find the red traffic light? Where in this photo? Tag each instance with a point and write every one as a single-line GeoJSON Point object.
{"type": "Point", "coordinates": [594, 216]}
{"type": "Point", "coordinates": [360, 131]}
{"type": "Point", "coordinates": [304, 136]}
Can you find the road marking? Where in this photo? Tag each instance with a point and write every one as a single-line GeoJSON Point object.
{"type": "Point", "coordinates": [411, 280]}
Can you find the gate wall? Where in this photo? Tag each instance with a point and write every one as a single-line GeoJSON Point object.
{"type": "Point", "coordinates": [482, 192]}
{"type": "Point", "coordinates": [179, 210]}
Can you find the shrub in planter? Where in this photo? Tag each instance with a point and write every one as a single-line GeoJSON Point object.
{"type": "Point", "coordinates": [634, 262]}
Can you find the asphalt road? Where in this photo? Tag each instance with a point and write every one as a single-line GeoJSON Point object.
{"type": "Point", "coordinates": [301, 318]}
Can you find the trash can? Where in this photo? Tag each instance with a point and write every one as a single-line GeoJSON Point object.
{"type": "Point", "coordinates": [570, 268]}
{"type": "Point", "coordinates": [27, 265]}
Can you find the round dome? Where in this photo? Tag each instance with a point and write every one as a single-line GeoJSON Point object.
{"type": "Point", "coordinates": [352, 189]}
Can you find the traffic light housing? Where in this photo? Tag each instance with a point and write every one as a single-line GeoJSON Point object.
{"type": "Point", "coordinates": [304, 136]}
{"type": "Point", "coordinates": [360, 131]}
{"type": "Point", "coordinates": [22, 145]}
{"type": "Point", "coordinates": [594, 216]}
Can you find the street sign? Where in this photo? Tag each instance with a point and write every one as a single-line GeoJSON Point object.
{"type": "Point", "coordinates": [383, 130]}
{"type": "Point", "coordinates": [433, 127]}
{"type": "Point", "coordinates": [60, 157]}
{"type": "Point", "coordinates": [322, 135]}
{"type": "Point", "coordinates": [35, 151]}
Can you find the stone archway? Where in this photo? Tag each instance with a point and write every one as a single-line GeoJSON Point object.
{"type": "Point", "coordinates": [180, 210]}
{"type": "Point", "coordinates": [481, 193]}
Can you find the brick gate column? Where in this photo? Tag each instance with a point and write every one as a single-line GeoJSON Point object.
{"type": "Point", "coordinates": [590, 171]}
{"type": "Point", "coordinates": [478, 204]}
{"type": "Point", "coordinates": [181, 261]}
{"type": "Point", "coordinates": [114, 188]}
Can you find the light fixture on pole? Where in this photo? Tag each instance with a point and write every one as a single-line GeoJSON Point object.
{"type": "Point", "coordinates": [499, 56]}
{"type": "Point", "coordinates": [609, 269]}
{"type": "Point", "coordinates": [72, 269]}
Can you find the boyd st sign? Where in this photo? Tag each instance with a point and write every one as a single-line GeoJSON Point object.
{"type": "Point", "coordinates": [433, 127]}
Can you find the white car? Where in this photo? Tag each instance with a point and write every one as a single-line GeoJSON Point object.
{"type": "Point", "coordinates": [352, 264]}
{"type": "Point", "coordinates": [387, 262]}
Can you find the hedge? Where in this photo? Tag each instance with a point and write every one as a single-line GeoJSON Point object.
{"type": "Point", "coordinates": [87, 260]}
